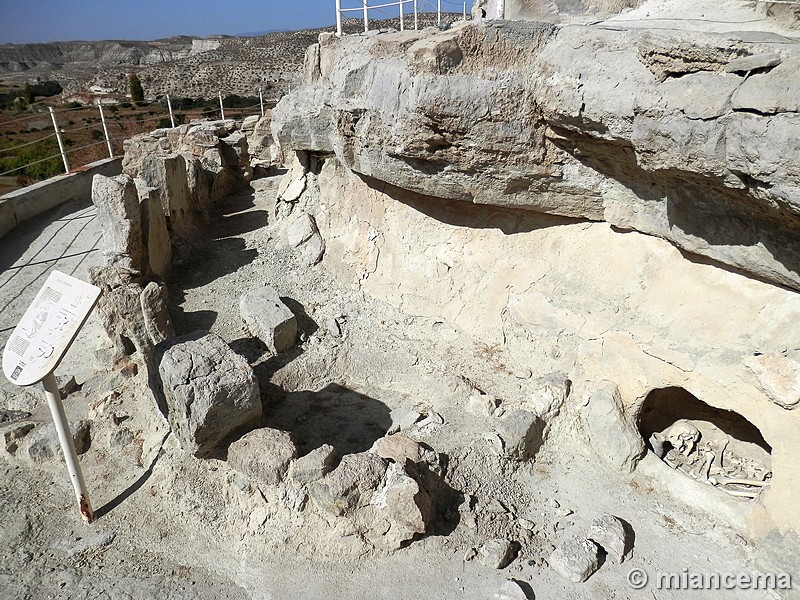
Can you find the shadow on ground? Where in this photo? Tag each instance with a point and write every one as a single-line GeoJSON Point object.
{"type": "Point", "coordinates": [336, 415]}
{"type": "Point", "coordinates": [218, 252]}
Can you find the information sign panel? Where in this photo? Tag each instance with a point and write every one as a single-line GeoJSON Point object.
{"type": "Point", "coordinates": [48, 327]}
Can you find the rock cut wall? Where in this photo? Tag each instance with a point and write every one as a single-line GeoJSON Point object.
{"type": "Point", "coordinates": [689, 137]}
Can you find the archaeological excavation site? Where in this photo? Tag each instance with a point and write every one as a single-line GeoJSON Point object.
{"type": "Point", "coordinates": [506, 309]}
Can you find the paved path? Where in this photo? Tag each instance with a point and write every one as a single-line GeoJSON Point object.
{"type": "Point", "coordinates": [66, 238]}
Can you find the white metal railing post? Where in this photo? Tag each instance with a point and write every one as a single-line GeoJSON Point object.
{"type": "Point", "coordinates": [338, 17]}
{"type": "Point", "coordinates": [60, 142]}
{"type": "Point", "coordinates": [261, 100]}
{"type": "Point", "coordinates": [221, 107]}
{"type": "Point", "coordinates": [366, 18]}
{"type": "Point", "coordinates": [169, 108]}
{"type": "Point", "coordinates": [416, 17]}
{"type": "Point", "coordinates": [465, 11]}
{"type": "Point", "coordinates": [439, 12]}
{"type": "Point", "coordinates": [105, 128]}
{"type": "Point", "coordinates": [402, 6]}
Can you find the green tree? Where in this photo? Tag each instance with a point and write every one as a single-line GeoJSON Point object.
{"type": "Point", "coordinates": [136, 89]}
{"type": "Point", "coordinates": [27, 93]}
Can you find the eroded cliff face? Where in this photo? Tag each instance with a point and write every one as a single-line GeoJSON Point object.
{"type": "Point", "coordinates": [620, 206]}
{"type": "Point", "coordinates": [689, 137]}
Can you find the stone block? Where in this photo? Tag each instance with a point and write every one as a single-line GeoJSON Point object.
{"type": "Point", "coordinates": [611, 434]}
{"type": "Point", "coordinates": [118, 210]}
{"type": "Point", "coordinates": [269, 319]}
{"type": "Point", "coordinates": [155, 309]}
{"type": "Point", "coordinates": [42, 444]}
{"type": "Point", "coordinates": [398, 448]}
{"type": "Point", "coordinates": [349, 486]}
{"type": "Point", "coordinates": [496, 553]}
{"type": "Point", "coordinates": [521, 433]}
{"type": "Point", "coordinates": [609, 533]}
{"type": "Point", "coordinates": [263, 455]}
{"type": "Point", "coordinates": [314, 465]}
{"type": "Point", "coordinates": [575, 560]}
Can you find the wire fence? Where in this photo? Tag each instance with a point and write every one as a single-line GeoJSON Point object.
{"type": "Point", "coordinates": [69, 143]}
{"type": "Point", "coordinates": [399, 8]}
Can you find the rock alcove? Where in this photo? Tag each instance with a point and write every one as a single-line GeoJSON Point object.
{"type": "Point", "coordinates": [708, 444]}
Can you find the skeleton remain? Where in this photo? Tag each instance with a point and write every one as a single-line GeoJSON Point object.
{"type": "Point", "coordinates": [680, 446]}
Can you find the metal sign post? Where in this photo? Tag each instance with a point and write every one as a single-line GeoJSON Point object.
{"type": "Point", "coordinates": [36, 347]}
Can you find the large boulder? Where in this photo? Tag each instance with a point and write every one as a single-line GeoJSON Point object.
{"type": "Point", "coordinates": [210, 391]}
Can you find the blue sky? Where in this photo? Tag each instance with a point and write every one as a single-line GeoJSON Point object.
{"type": "Point", "coordinates": [26, 21]}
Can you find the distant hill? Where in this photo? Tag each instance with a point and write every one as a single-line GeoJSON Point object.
{"type": "Point", "coordinates": [260, 33]}
{"type": "Point", "coordinates": [180, 66]}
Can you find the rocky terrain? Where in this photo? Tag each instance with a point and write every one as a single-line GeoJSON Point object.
{"type": "Point", "coordinates": [502, 311]}
{"type": "Point", "coordinates": [180, 66]}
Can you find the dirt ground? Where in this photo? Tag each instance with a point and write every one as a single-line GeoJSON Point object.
{"type": "Point", "coordinates": [171, 526]}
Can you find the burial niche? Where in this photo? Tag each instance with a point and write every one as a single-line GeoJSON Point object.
{"type": "Point", "coordinates": [715, 446]}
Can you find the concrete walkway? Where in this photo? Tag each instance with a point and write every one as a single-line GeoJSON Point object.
{"type": "Point", "coordinates": [67, 239]}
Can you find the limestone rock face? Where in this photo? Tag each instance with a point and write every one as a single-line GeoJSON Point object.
{"type": "Point", "coordinates": [209, 389]}
{"type": "Point", "coordinates": [654, 132]}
